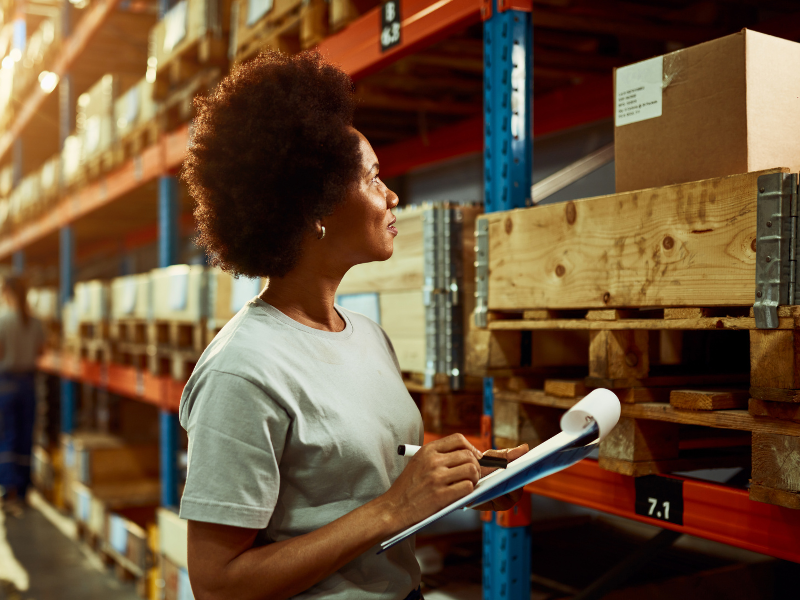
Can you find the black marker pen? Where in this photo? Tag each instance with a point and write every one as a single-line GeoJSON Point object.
{"type": "Point", "coordinates": [485, 461]}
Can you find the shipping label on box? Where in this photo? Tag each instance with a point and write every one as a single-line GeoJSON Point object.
{"type": "Point", "coordinates": [639, 91]}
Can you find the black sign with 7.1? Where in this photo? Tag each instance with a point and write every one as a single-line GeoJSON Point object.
{"type": "Point", "coordinates": [390, 24]}
{"type": "Point", "coordinates": [660, 498]}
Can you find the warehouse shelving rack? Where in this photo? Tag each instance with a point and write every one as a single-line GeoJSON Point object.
{"type": "Point", "coordinates": [711, 511]}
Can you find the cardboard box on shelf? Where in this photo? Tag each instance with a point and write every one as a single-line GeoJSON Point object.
{"type": "Point", "coordinates": [727, 106]}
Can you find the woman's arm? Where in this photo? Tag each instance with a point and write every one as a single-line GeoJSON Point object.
{"type": "Point", "coordinates": [223, 564]}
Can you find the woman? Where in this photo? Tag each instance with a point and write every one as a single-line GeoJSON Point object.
{"type": "Point", "coordinates": [21, 342]}
{"type": "Point", "coordinates": [295, 410]}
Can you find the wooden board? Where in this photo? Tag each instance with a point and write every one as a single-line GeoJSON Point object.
{"type": "Point", "coordinates": [708, 399]}
{"type": "Point", "coordinates": [403, 271]}
{"type": "Point", "coordinates": [403, 320]}
{"type": "Point", "coordinates": [683, 245]}
{"type": "Point", "coordinates": [722, 419]}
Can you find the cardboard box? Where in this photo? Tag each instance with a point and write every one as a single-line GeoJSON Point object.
{"type": "Point", "coordinates": [727, 106]}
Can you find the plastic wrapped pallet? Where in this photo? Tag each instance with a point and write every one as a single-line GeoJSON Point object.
{"type": "Point", "coordinates": [91, 301]}
{"type": "Point", "coordinates": [187, 24]}
{"type": "Point", "coordinates": [71, 159]}
{"type": "Point", "coordinates": [425, 306]}
{"type": "Point", "coordinates": [69, 320]}
{"type": "Point", "coordinates": [172, 537]}
{"type": "Point", "coordinates": [134, 108]}
{"type": "Point", "coordinates": [179, 293]}
{"type": "Point", "coordinates": [95, 116]}
{"type": "Point", "coordinates": [49, 179]}
{"type": "Point", "coordinates": [227, 295]}
{"type": "Point", "coordinates": [131, 298]}
{"type": "Point", "coordinates": [43, 303]}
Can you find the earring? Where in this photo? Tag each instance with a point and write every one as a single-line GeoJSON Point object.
{"type": "Point", "coordinates": [321, 233]}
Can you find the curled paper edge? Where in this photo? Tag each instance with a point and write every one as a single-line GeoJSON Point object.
{"type": "Point", "coordinates": [600, 405]}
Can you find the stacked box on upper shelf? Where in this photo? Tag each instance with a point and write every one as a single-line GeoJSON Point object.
{"type": "Point", "coordinates": [131, 311]}
{"type": "Point", "coordinates": [96, 125]}
{"type": "Point", "coordinates": [92, 308]}
{"type": "Point", "coordinates": [227, 295]}
{"type": "Point", "coordinates": [177, 334]}
{"type": "Point", "coordinates": [43, 303]}
{"type": "Point", "coordinates": [286, 25]}
{"type": "Point", "coordinates": [135, 119]}
{"type": "Point", "coordinates": [423, 297]}
{"type": "Point", "coordinates": [192, 37]}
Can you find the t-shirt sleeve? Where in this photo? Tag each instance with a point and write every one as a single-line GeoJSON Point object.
{"type": "Point", "coordinates": [236, 438]}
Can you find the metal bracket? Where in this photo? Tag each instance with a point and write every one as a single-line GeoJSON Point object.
{"type": "Point", "coordinates": [481, 272]}
{"type": "Point", "coordinates": [442, 230]}
{"type": "Point", "coordinates": [776, 241]}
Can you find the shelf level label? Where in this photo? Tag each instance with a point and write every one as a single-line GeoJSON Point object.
{"type": "Point", "coordinates": [390, 24]}
{"type": "Point", "coordinates": [660, 498]}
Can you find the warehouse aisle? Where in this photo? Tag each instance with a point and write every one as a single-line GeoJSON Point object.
{"type": "Point", "coordinates": [55, 567]}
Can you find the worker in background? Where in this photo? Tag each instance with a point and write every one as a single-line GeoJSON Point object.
{"type": "Point", "coordinates": [21, 342]}
{"type": "Point", "coordinates": [295, 410]}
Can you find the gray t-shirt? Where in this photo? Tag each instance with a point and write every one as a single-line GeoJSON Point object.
{"type": "Point", "coordinates": [19, 343]}
{"type": "Point", "coordinates": [291, 428]}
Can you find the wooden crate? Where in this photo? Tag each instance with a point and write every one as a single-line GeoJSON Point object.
{"type": "Point", "coordinates": [227, 295]}
{"type": "Point", "coordinates": [95, 459]}
{"type": "Point", "coordinates": [193, 35]}
{"type": "Point", "coordinates": [127, 543]}
{"type": "Point", "coordinates": [686, 245]}
{"type": "Point", "coordinates": [396, 294]}
{"type": "Point", "coordinates": [285, 25]}
{"type": "Point", "coordinates": [702, 386]}
{"type": "Point", "coordinates": [172, 534]}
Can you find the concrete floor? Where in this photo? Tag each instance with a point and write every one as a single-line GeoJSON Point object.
{"type": "Point", "coordinates": [56, 567]}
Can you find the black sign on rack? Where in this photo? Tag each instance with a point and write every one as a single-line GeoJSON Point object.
{"type": "Point", "coordinates": [390, 24]}
{"type": "Point", "coordinates": [660, 498]}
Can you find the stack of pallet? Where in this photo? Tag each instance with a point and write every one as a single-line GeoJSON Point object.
{"type": "Point", "coordinates": [135, 120]}
{"type": "Point", "coordinates": [226, 296]}
{"type": "Point", "coordinates": [91, 311]}
{"type": "Point", "coordinates": [43, 303]}
{"type": "Point", "coordinates": [96, 125]}
{"type": "Point", "coordinates": [667, 322]}
{"type": "Point", "coordinates": [188, 53]}
{"type": "Point", "coordinates": [172, 556]}
{"type": "Point", "coordinates": [423, 297]}
{"type": "Point", "coordinates": [177, 331]}
{"type": "Point", "coordinates": [285, 25]}
{"type": "Point", "coordinates": [131, 311]}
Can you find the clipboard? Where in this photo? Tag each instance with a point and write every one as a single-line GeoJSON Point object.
{"type": "Point", "coordinates": [582, 428]}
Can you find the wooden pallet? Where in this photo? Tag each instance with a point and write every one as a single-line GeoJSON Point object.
{"type": "Point", "coordinates": [135, 141]}
{"type": "Point", "coordinates": [281, 32]}
{"type": "Point", "coordinates": [177, 364]}
{"type": "Point", "coordinates": [177, 107]}
{"type": "Point", "coordinates": [129, 331]}
{"type": "Point", "coordinates": [177, 335]}
{"type": "Point", "coordinates": [207, 52]}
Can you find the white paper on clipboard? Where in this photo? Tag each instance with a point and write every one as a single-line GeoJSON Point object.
{"type": "Point", "coordinates": [582, 427]}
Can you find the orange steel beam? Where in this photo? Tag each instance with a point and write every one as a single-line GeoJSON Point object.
{"type": "Point", "coordinates": [357, 48]}
{"type": "Point", "coordinates": [158, 159]}
{"type": "Point", "coordinates": [71, 49]}
{"type": "Point", "coordinates": [127, 381]}
{"type": "Point", "coordinates": [711, 511]}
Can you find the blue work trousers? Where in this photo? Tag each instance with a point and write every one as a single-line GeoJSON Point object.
{"type": "Point", "coordinates": [17, 413]}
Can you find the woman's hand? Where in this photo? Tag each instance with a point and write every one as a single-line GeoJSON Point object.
{"type": "Point", "coordinates": [440, 473]}
{"type": "Point", "coordinates": [505, 501]}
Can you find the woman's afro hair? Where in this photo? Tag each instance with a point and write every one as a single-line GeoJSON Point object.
{"type": "Point", "coordinates": [271, 151]}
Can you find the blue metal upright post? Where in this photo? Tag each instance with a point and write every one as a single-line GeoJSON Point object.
{"type": "Point", "coordinates": [66, 259]}
{"type": "Point", "coordinates": [508, 168]}
{"type": "Point", "coordinates": [168, 254]}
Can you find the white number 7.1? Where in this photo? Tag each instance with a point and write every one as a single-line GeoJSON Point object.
{"type": "Point", "coordinates": [653, 503]}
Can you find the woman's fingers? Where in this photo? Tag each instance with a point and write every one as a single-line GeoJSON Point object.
{"type": "Point", "coordinates": [453, 442]}
{"type": "Point", "coordinates": [464, 472]}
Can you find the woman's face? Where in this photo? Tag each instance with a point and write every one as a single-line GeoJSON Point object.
{"type": "Point", "coordinates": [361, 229]}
